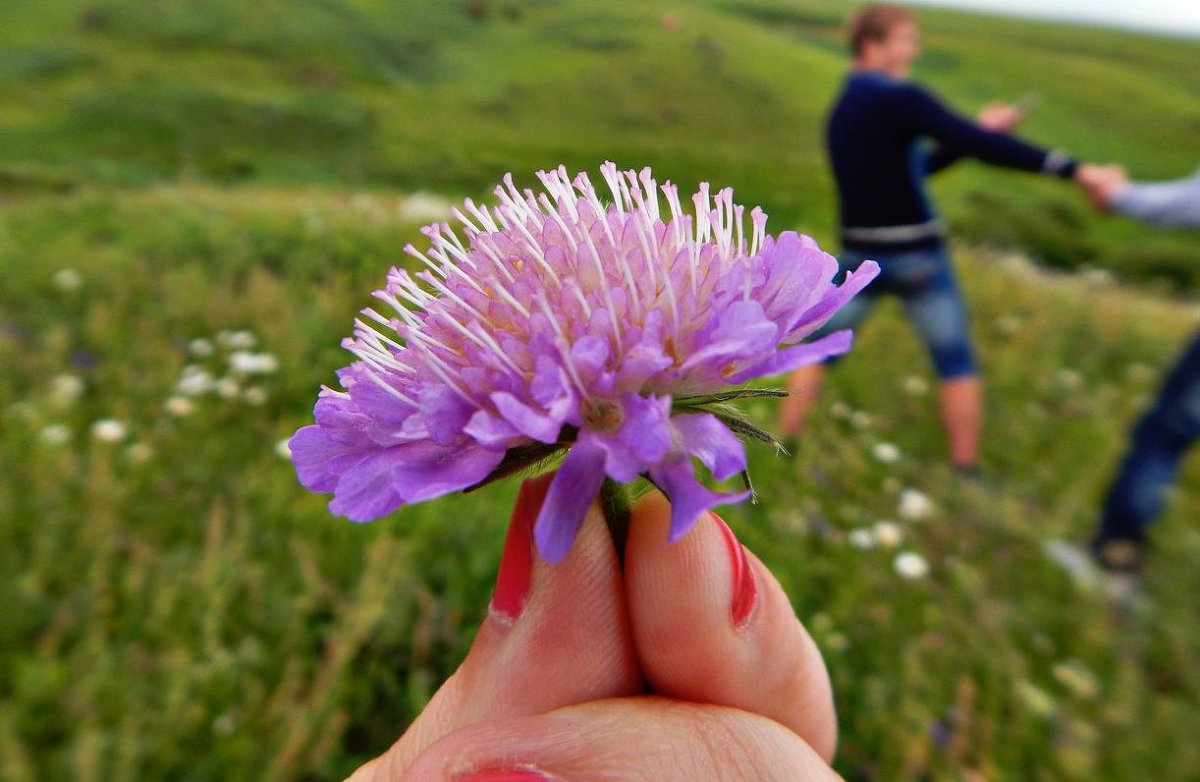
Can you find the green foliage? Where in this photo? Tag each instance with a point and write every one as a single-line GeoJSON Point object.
{"type": "Point", "coordinates": [1055, 233]}
{"type": "Point", "coordinates": [174, 606]}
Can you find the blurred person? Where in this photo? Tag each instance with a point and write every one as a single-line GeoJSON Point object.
{"type": "Point", "coordinates": [885, 134]}
{"type": "Point", "coordinates": [1171, 426]}
{"type": "Point", "coordinates": [687, 662]}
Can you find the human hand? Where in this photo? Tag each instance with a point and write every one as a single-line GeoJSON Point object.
{"type": "Point", "coordinates": [999, 117]}
{"type": "Point", "coordinates": [687, 664]}
{"type": "Point", "coordinates": [1101, 182]}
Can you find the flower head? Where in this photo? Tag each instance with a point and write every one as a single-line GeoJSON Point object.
{"type": "Point", "coordinates": [55, 434]}
{"type": "Point", "coordinates": [887, 453]}
{"type": "Point", "coordinates": [67, 280]}
{"type": "Point", "coordinates": [914, 505]}
{"type": "Point", "coordinates": [108, 430]}
{"type": "Point", "coordinates": [888, 533]}
{"type": "Point", "coordinates": [562, 323]}
{"type": "Point", "coordinates": [65, 390]}
{"type": "Point", "coordinates": [911, 565]}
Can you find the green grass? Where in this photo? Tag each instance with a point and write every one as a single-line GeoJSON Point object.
{"type": "Point", "coordinates": [176, 607]}
{"type": "Point", "coordinates": [428, 96]}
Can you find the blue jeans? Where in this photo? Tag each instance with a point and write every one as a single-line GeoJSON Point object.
{"type": "Point", "coordinates": [924, 280]}
{"type": "Point", "coordinates": [1160, 438]}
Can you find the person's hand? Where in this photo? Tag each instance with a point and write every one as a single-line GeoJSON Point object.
{"type": "Point", "coordinates": [1101, 182]}
{"type": "Point", "coordinates": [688, 664]}
{"type": "Point", "coordinates": [999, 117]}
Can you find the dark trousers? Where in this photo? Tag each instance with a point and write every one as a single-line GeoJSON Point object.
{"type": "Point", "coordinates": [1159, 440]}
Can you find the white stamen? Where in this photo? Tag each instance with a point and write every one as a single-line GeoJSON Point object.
{"type": "Point", "coordinates": [739, 211]}
{"type": "Point", "coordinates": [585, 188]}
{"type": "Point", "coordinates": [604, 288]}
{"type": "Point", "coordinates": [552, 212]}
{"type": "Point", "coordinates": [382, 384]}
{"type": "Point", "coordinates": [677, 224]}
{"type": "Point", "coordinates": [759, 219]}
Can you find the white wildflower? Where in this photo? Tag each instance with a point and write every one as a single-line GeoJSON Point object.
{"type": "Point", "coordinates": [916, 386]}
{"type": "Point", "coordinates": [108, 430]}
{"type": "Point", "coordinates": [910, 565]}
{"type": "Point", "coordinates": [139, 453]}
{"type": "Point", "coordinates": [195, 381]}
{"type": "Point", "coordinates": [201, 348]}
{"type": "Point", "coordinates": [65, 390]}
{"type": "Point", "coordinates": [861, 419]}
{"type": "Point", "coordinates": [227, 388]}
{"type": "Point", "coordinates": [55, 435]}
{"type": "Point", "coordinates": [1068, 379]}
{"type": "Point", "coordinates": [886, 453]}
{"type": "Point", "coordinates": [179, 406]}
{"type": "Point", "coordinates": [914, 505]}
{"type": "Point", "coordinates": [237, 340]}
{"type": "Point", "coordinates": [254, 396]}
{"type": "Point", "coordinates": [862, 539]}
{"type": "Point", "coordinates": [243, 362]}
{"type": "Point", "coordinates": [283, 450]}
{"type": "Point", "coordinates": [888, 533]}
{"type": "Point", "coordinates": [67, 280]}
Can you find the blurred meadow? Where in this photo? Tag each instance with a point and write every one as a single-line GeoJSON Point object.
{"type": "Point", "coordinates": [197, 197]}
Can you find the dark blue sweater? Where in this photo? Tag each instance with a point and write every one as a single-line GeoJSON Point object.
{"type": "Point", "coordinates": [878, 136]}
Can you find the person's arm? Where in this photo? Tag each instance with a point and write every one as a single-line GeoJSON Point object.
{"type": "Point", "coordinates": [995, 116]}
{"type": "Point", "coordinates": [960, 137]}
{"type": "Point", "coordinates": [942, 157]}
{"type": "Point", "coordinates": [1167, 204]}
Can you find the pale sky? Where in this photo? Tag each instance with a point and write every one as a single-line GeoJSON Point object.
{"type": "Point", "coordinates": [1180, 17]}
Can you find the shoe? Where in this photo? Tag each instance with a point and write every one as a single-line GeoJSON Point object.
{"type": "Point", "coordinates": [1090, 573]}
{"type": "Point", "coordinates": [1119, 555]}
{"type": "Point", "coordinates": [969, 472]}
{"type": "Point", "coordinates": [1072, 559]}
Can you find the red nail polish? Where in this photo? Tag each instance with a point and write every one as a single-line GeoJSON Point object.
{"type": "Point", "coordinates": [745, 590]}
{"type": "Point", "coordinates": [516, 563]}
{"type": "Point", "coordinates": [501, 775]}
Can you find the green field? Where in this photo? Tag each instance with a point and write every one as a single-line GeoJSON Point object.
{"type": "Point", "coordinates": [174, 606]}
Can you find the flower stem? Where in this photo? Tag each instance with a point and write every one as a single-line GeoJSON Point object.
{"type": "Point", "coordinates": [615, 503]}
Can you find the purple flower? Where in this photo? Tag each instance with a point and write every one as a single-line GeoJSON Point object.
{"type": "Point", "coordinates": [563, 323]}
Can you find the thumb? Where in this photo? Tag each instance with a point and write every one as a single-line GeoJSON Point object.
{"type": "Point", "coordinates": [712, 625]}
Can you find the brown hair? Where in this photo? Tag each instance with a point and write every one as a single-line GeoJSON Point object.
{"type": "Point", "coordinates": [874, 22]}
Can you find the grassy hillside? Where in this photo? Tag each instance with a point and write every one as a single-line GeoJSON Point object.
{"type": "Point", "coordinates": [175, 606]}
{"type": "Point", "coordinates": [451, 95]}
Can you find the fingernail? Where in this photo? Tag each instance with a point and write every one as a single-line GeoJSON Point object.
{"type": "Point", "coordinates": [516, 563]}
{"type": "Point", "coordinates": [744, 588]}
{"type": "Point", "coordinates": [501, 775]}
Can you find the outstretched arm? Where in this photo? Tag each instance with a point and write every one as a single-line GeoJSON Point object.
{"type": "Point", "coordinates": [1167, 204]}
{"type": "Point", "coordinates": [960, 137]}
{"type": "Point", "coordinates": [995, 116]}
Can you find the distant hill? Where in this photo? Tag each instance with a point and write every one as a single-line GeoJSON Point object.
{"type": "Point", "coordinates": [446, 96]}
